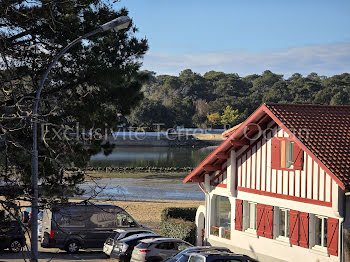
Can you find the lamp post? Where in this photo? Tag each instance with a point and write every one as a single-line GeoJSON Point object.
{"type": "Point", "coordinates": [117, 24]}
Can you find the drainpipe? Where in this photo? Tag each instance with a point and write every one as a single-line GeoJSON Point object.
{"type": "Point", "coordinates": [347, 194]}
{"type": "Point", "coordinates": [200, 185]}
{"type": "Point", "coordinates": [341, 226]}
{"type": "Point", "coordinates": [202, 188]}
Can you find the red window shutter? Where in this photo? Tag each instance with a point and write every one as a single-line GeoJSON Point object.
{"type": "Point", "coordinates": [260, 220]}
{"type": "Point", "coordinates": [298, 157]}
{"type": "Point", "coordinates": [239, 213]}
{"type": "Point", "coordinates": [275, 153]}
{"type": "Point", "coordinates": [332, 236]}
{"type": "Point", "coordinates": [268, 221]}
{"type": "Point", "coordinates": [294, 227]}
{"type": "Point", "coordinates": [304, 229]}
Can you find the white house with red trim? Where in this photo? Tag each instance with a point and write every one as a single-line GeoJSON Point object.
{"type": "Point", "coordinates": [277, 188]}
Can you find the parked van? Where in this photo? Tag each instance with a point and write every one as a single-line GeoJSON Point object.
{"type": "Point", "coordinates": [82, 226]}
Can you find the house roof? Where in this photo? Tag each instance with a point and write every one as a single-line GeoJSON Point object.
{"type": "Point", "coordinates": [322, 131]}
{"type": "Point", "coordinates": [228, 132]}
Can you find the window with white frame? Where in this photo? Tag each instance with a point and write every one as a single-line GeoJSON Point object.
{"type": "Point", "coordinates": [320, 231]}
{"type": "Point", "coordinates": [289, 154]}
{"type": "Point", "coordinates": [283, 222]}
{"type": "Point", "coordinates": [249, 216]}
{"type": "Point", "coordinates": [223, 212]}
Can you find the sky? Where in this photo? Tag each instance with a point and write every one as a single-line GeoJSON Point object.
{"type": "Point", "coordinates": [244, 36]}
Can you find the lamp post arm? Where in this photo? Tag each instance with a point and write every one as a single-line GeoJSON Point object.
{"type": "Point", "coordinates": [54, 62]}
{"type": "Point", "coordinates": [35, 160]}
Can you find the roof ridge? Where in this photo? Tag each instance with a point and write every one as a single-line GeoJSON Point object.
{"type": "Point", "coordinates": [302, 105]}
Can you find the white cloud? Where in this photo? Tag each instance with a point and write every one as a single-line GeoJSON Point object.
{"type": "Point", "coordinates": [323, 59]}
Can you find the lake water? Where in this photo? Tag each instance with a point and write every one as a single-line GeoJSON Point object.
{"type": "Point", "coordinates": [141, 188]}
{"type": "Point", "coordinates": [138, 156]}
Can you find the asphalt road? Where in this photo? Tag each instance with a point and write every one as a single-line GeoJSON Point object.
{"type": "Point", "coordinates": [55, 255]}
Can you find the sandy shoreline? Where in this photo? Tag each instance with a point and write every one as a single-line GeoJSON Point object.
{"type": "Point", "coordinates": [148, 212]}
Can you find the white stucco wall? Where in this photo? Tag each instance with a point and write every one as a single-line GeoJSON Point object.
{"type": "Point", "coordinates": [263, 248]}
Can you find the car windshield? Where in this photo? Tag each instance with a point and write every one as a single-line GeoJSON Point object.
{"type": "Point", "coordinates": [196, 259]}
{"type": "Point", "coordinates": [179, 255]}
{"type": "Point", "coordinates": [183, 258]}
{"type": "Point", "coordinates": [181, 246]}
{"type": "Point", "coordinates": [113, 235]}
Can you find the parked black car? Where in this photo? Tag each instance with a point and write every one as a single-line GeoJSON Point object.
{"type": "Point", "coordinates": [119, 234]}
{"type": "Point", "coordinates": [11, 236]}
{"type": "Point", "coordinates": [216, 257]}
{"type": "Point", "coordinates": [181, 256]}
{"type": "Point", "coordinates": [123, 248]}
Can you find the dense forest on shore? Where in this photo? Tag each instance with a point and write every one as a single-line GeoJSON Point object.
{"type": "Point", "coordinates": [217, 99]}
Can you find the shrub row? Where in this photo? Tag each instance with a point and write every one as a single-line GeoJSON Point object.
{"type": "Point", "coordinates": [144, 169]}
{"type": "Point", "coordinates": [179, 223]}
{"type": "Point", "coordinates": [187, 214]}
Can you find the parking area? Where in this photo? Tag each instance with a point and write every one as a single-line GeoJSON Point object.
{"type": "Point", "coordinates": [55, 255]}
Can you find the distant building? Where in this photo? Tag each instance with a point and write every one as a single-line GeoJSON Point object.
{"type": "Point", "coordinates": [278, 187]}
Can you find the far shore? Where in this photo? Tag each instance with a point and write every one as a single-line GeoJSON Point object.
{"type": "Point", "coordinates": [177, 140]}
{"type": "Point", "coordinates": [90, 175]}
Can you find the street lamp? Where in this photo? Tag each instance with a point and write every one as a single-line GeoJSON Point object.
{"type": "Point", "coordinates": [117, 24]}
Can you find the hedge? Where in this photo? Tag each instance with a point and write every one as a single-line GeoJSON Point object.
{"type": "Point", "coordinates": [179, 223]}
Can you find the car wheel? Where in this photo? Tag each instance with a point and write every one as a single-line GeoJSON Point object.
{"type": "Point", "coordinates": [15, 246]}
{"type": "Point", "coordinates": [73, 246]}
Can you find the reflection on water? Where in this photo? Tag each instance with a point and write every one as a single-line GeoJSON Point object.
{"type": "Point", "coordinates": [135, 188]}
{"type": "Point", "coordinates": [152, 156]}
{"type": "Point", "coordinates": [158, 188]}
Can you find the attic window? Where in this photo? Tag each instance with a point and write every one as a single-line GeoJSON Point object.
{"type": "Point", "coordinates": [286, 154]}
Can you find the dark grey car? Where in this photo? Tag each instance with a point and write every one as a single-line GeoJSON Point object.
{"type": "Point", "coordinates": [82, 226]}
{"type": "Point", "coordinates": [216, 257]}
{"type": "Point", "coordinates": [197, 249]}
{"type": "Point", "coordinates": [11, 236]}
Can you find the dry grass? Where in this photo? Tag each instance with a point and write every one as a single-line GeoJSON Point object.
{"type": "Point", "coordinates": [148, 212]}
{"type": "Point", "coordinates": [209, 137]}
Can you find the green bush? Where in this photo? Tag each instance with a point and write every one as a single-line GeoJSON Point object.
{"type": "Point", "coordinates": [179, 223]}
{"type": "Point", "coordinates": [187, 214]}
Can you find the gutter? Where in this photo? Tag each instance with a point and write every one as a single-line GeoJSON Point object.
{"type": "Point", "coordinates": [201, 188]}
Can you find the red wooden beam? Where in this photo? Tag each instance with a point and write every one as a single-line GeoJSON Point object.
{"type": "Point", "coordinates": [242, 142]}
{"type": "Point", "coordinates": [256, 127]}
{"type": "Point", "coordinates": [197, 179]}
{"type": "Point", "coordinates": [211, 168]}
{"type": "Point", "coordinates": [222, 155]}
{"type": "Point", "coordinates": [265, 119]}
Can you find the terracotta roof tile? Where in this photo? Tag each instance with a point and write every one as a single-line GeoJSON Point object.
{"type": "Point", "coordinates": [324, 130]}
